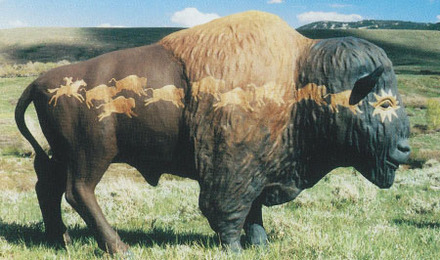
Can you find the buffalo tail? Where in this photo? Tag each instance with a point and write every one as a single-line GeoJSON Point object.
{"type": "Point", "coordinates": [41, 158]}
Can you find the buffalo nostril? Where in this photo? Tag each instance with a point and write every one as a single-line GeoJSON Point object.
{"type": "Point", "coordinates": [403, 146]}
{"type": "Point", "coordinates": [400, 155]}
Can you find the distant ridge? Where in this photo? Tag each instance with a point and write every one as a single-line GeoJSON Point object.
{"type": "Point", "coordinates": [371, 24]}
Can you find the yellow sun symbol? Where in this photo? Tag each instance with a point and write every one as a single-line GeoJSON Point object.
{"type": "Point", "coordinates": [385, 106]}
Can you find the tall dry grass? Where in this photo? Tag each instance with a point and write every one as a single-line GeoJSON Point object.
{"type": "Point", "coordinates": [28, 69]}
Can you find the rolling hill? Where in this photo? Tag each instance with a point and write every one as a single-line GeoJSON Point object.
{"type": "Point", "coordinates": [21, 45]}
{"type": "Point", "coordinates": [415, 51]}
{"type": "Point", "coordinates": [371, 24]}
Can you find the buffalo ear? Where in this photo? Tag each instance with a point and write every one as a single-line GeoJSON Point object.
{"type": "Point", "coordinates": [364, 85]}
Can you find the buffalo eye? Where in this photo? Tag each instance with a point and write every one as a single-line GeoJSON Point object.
{"type": "Point", "coordinates": [386, 104]}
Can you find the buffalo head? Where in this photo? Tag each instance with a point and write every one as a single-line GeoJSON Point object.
{"type": "Point", "coordinates": [362, 122]}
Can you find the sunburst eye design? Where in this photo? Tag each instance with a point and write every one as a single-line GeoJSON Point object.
{"type": "Point", "coordinates": [385, 106]}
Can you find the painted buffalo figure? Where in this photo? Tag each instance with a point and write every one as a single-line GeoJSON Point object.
{"type": "Point", "coordinates": [245, 105]}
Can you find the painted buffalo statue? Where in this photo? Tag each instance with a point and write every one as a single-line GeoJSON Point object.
{"type": "Point", "coordinates": [245, 105]}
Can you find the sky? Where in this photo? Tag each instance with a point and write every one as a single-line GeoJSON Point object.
{"type": "Point", "coordinates": [185, 13]}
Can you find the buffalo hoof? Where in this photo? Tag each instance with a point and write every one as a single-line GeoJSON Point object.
{"type": "Point", "coordinates": [256, 235]}
{"type": "Point", "coordinates": [66, 238]}
{"type": "Point", "coordinates": [58, 240]}
{"type": "Point", "coordinates": [119, 248]}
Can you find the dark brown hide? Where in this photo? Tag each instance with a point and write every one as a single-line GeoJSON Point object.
{"type": "Point", "coordinates": [118, 128]}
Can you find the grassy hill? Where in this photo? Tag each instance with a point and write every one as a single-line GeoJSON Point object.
{"type": "Point", "coordinates": [22, 45]}
{"type": "Point", "coordinates": [414, 51]}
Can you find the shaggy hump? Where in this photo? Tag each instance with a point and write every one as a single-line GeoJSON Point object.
{"type": "Point", "coordinates": [250, 47]}
{"type": "Point", "coordinates": [355, 57]}
{"type": "Point", "coordinates": [245, 63]}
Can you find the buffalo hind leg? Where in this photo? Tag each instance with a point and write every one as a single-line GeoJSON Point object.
{"type": "Point", "coordinates": [253, 226]}
{"type": "Point", "coordinates": [50, 187]}
{"type": "Point", "coordinates": [80, 193]}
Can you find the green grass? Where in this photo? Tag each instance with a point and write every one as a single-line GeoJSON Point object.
{"type": "Point", "coordinates": [11, 89]}
{"type": "Point", "coordinates": [416, 90]}
{"type": "Point", "coordinates": [342, 217]}
{"type": "Point", "coordinates": [433, 114]}
{"type": "Point", "coordinates": [419, 85]}
{"type": "Point", "coordinates": [11, 141]}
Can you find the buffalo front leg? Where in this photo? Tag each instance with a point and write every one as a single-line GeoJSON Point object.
{"type": "Point", "coordinates": [226, 223]}
{"type": "Point", "coordinates": [50, 187]}
{"type": "Point", "coordinates": [253, 226]}
{"type": "Point", "coordinates": [226, 209]}
{"type": "Point", "coordinates": [80, 193]}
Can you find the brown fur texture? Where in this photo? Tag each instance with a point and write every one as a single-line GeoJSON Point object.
{"type": "Point", "coordinates": [243, 74]}
{"type": "Point", "coordinates": [245, 48]}
{"type": "Point", "coordinates": [242, 56]}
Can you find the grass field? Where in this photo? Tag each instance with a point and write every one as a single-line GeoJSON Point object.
{"type": "Point", "coordinates": [342, 217]}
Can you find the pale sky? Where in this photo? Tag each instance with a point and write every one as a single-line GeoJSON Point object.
{"type": "Point", "coordinates": [185, 13]}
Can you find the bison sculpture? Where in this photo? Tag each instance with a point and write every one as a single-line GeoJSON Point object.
{"type": "Point", "coordinates": [245, 105]}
